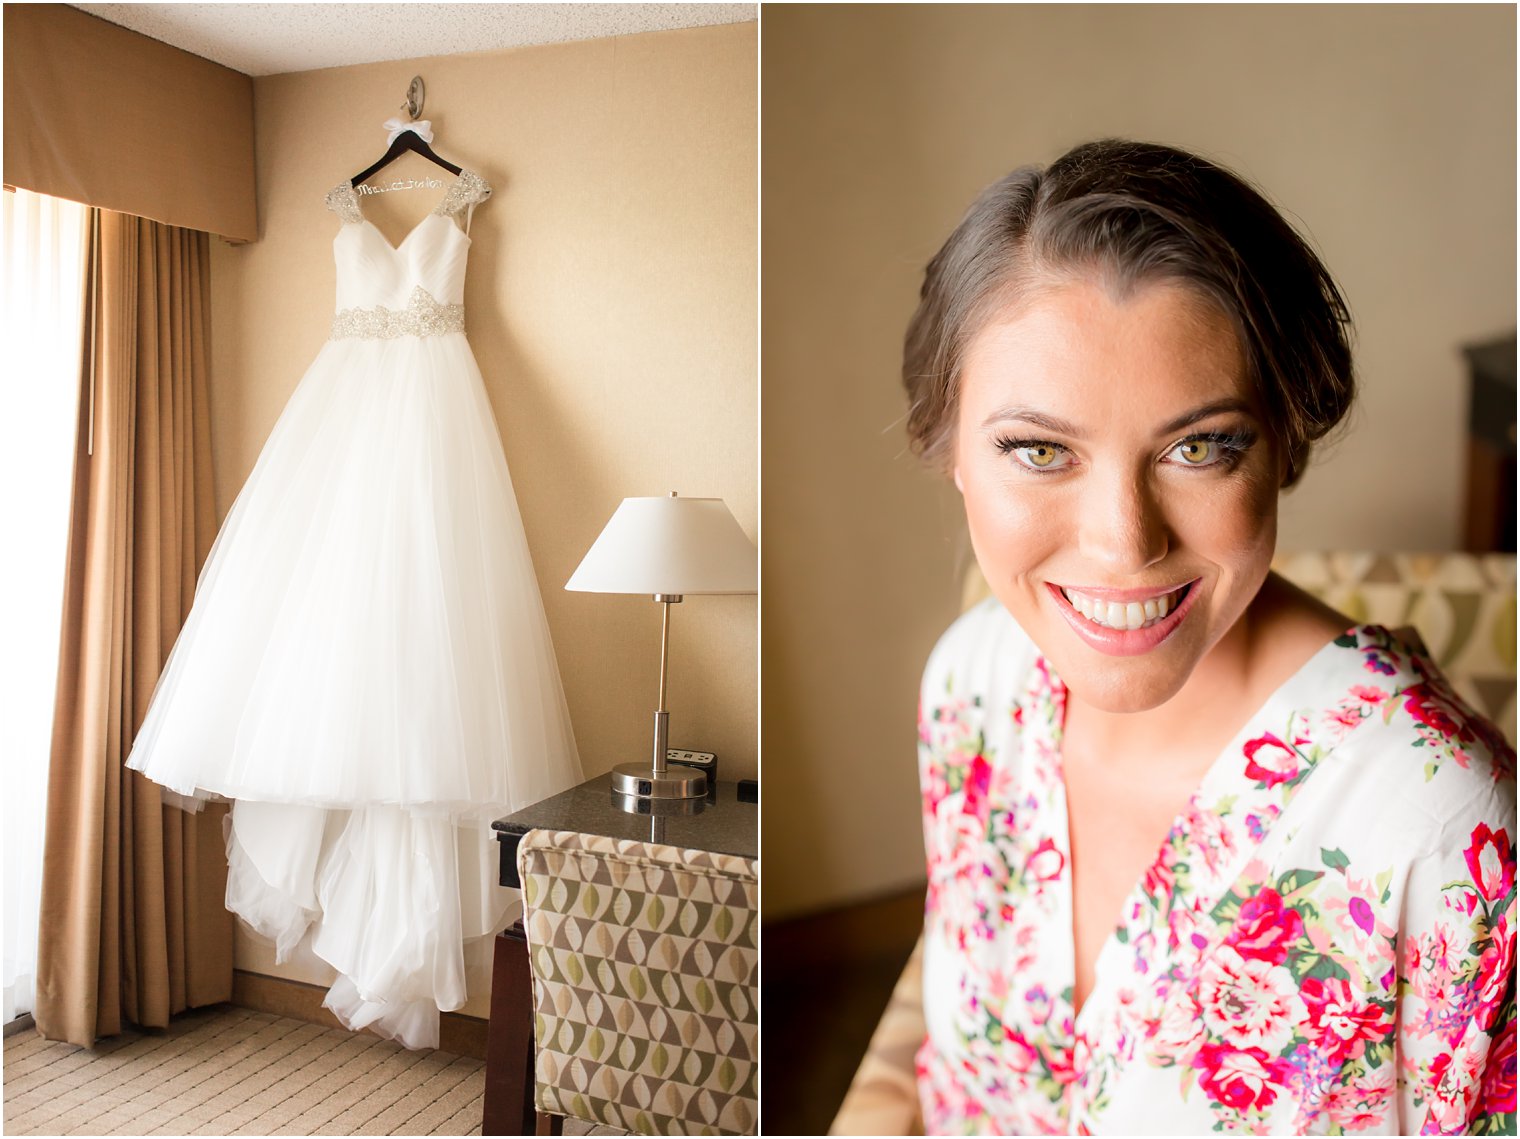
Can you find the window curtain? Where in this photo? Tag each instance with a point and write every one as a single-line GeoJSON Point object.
{"type": "Point", "coordinates": [44, 271]}
{"type": "Point", "coordinates": [132, 923]}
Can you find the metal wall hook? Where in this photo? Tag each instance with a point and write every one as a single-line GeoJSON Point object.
{"type": "Point", "coordinates": [415, 95]}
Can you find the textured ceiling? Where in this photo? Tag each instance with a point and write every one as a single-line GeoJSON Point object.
{"type": "Point", "coordinates": [270, 39]}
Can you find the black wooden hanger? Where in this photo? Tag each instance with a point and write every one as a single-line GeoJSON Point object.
{"type": "Point", "coordinates": [406, 140]}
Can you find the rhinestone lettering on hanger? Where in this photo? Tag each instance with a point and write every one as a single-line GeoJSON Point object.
{"type": "Point", "coordinates": [401, 184]}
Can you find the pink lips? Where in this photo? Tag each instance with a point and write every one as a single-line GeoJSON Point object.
{"type": "Point", "coordinates": [1121, 642]}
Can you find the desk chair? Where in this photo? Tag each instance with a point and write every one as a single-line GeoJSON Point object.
{"type": "Point", "coordinates": [644, 965]}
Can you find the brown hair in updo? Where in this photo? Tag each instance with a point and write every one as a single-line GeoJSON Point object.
{"type": "Point", "coordinates": [1134, 213]}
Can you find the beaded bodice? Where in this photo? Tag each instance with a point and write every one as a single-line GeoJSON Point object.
{"type": "Point", "coordinates": [415, 288]}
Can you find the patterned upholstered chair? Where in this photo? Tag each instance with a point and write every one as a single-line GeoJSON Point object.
{"type": "Point", "coordinates": [1462, 605]}
{"type": "Point", "coordinates": [1463, 608]}
{"type": "Point", "coordinates": [644, 964]}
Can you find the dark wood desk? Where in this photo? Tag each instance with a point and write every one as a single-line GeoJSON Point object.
{"type": "Point", "coordinates": [722, 822]}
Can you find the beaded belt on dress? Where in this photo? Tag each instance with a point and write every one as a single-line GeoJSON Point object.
{"type": "Point", "coordinates": [423, 316]}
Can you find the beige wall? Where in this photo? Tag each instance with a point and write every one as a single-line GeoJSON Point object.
{"type": "Point", "coordinates": [610, 303]}
{"type": "Point", "coordinates": [1387, 133]}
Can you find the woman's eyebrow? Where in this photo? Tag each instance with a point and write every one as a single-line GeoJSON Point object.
{"type": "Point", "coordinates": [1062, 427]}
{"type": "Point", "coordinates": [1030, 415]}
{"type": "Point", "coordinates": [1216, 407]}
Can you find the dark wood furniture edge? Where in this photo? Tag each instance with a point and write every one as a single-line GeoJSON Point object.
{"type": "Point", "coordinates": [509, 1108]}
{"type": "Point", "coordinates": [510, 840]}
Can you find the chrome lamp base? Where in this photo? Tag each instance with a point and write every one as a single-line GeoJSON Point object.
{"type": "Point", "coordinates": [642, 781]}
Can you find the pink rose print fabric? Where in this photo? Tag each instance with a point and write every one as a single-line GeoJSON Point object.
{"type": "Point", "coordinates": [1324, 944]}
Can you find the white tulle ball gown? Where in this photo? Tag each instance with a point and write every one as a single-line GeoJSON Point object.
{"type": "Point", "coordinates": [366, 670]}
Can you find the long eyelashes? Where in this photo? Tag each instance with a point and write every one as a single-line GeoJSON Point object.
{"type": "Point", "coordinates": [1222, 451]}
{"type": "Point", "coordinates": [1227, 448]}
{"type": "Point", "coordinates": [1039, 455]}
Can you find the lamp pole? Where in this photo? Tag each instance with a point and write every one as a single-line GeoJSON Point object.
{"type": "Point", "coordinates": [656, 780]}
{"type": "Point", "coordinates": [661, 713]}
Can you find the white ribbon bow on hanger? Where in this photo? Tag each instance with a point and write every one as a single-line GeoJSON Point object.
{"type": "Point", "coordinates": [423, 127]}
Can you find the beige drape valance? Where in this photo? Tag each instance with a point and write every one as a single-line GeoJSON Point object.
{"type": "Point", "coordinates": [98, 114]}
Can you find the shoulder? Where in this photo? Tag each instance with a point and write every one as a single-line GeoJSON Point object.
{"type": "Point", "coordinates": [1437, 765]}
{"type": "Point", "coordinates": [968, 701]}
{"type": "Point", "coordinates": [983, 651]}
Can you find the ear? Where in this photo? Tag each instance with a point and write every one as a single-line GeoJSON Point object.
{"type": "Point", "coordinates": [955, 474]}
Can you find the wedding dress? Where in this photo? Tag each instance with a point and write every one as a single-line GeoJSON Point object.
{"type": "Point", "coordinates": [366, 670]}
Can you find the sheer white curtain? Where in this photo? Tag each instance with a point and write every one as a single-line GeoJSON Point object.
{"type": "Point", "coordinates": [43, 256]}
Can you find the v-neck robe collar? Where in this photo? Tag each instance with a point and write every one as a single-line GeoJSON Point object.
{"type": "Point", "coordinates": [1213, 849]}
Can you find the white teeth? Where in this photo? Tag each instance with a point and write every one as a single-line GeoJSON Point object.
{"type": "Point", "coordinates": [1127, 616]}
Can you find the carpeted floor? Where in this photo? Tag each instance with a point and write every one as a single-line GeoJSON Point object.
{"type": "Point", "coordinates": [229, 1071]}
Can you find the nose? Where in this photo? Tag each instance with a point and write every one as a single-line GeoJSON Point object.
{"type": "Point", "coordinates": [1122, 526]}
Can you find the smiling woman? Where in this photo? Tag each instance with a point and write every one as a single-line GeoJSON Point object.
{"type": "Point", "coordinates": [1122, 360]}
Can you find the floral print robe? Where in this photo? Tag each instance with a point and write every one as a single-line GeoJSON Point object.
{"type": "Point", "coordinates": [1324, 943]}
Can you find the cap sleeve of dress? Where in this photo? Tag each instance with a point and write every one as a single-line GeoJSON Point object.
{"type": "Point", "coordinates": [467, 192]}
{"type": "Point", "coordinates": [344, 202]}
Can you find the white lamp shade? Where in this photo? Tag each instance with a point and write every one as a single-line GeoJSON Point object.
{"type": "Point", "coordinates": [669, 545]}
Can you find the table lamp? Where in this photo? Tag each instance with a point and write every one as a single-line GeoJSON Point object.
{"type": "Point", "coordinates": [667, 548]}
